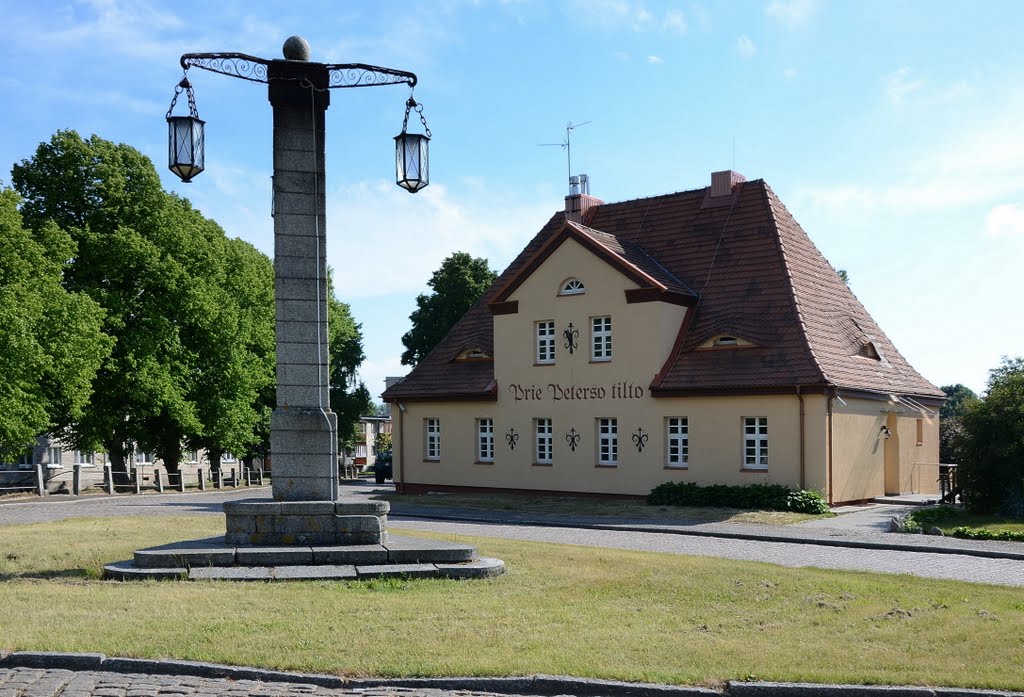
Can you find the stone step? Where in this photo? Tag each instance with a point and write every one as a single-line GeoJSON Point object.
{"type": "Point", "coordinates": [215, 552]}
{"type": "Point", "coordinates": [484, 567]}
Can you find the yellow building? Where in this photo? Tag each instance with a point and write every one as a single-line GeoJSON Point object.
{"type": "Point", "coordinates": [698, 336]}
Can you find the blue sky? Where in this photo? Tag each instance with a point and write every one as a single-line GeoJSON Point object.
{"type": "Point", "coordinates": [890, 130]}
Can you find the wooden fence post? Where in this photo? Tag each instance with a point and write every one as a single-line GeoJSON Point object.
{"type": "Point", "coordinates": [76, 481]}
{"type": "Point", "coordinates": [202, 479]}
{"type": "Point", "coordinates": [159, 480]}
{"type": "Point", "coordinates": [40, 482]}
{"type": "Point", "coordinates": [108, 476]}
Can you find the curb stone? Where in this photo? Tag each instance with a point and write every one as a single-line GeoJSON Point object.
{"type": "Point", "coordinates": [540, 684]}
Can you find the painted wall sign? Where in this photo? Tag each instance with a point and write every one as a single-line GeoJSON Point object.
{"type": "Point", "coordinates": [557, 392]}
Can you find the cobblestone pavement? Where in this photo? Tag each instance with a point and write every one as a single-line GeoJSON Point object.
{"type": "Point", "coordinates": [852, 541]}
{"type": "Point", "coordinates": [36, 682]}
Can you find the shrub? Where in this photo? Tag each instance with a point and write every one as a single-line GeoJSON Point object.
{"type": "Point", "coordinates": [986, 534]}
{"type": "Point", "coordinates": [767, 497]}
{"type": "Point", "coordinates": [932, 517]}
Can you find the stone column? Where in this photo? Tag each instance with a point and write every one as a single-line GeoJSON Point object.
{"type": "Point", "coordinates": [302, 427]}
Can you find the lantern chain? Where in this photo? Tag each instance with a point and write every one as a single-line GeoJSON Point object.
{"type": "Point", "coordinates": [412, 104]}
{"type": "Point", "coordinates": [186, 87]}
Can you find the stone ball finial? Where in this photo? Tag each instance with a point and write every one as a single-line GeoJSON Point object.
{"type": "Point", "coordinates": [296, 49]}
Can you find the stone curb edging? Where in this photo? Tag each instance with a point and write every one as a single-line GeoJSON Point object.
{"type": "Point", "coordinates": [821, 542]}
{"type": "Point", "coordinates": [540, 684]}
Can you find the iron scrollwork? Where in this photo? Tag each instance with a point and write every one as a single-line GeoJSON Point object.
{"type": "Point", "coordinates": [512, 438]}
{"type": "Point", "coordinates": [339, 75]}
{"type": "Point", "coordinates": [573, 439]}
{"type": "Point", "coordinates": [640, 439]}
{"type": "Point", "coordinates": [571, 335]}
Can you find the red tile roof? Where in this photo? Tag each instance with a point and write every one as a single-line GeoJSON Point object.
{"type": "Point", "coordinates": [757, 275]}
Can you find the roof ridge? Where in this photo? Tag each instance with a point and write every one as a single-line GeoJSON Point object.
{"type": "Point", "coordinates": [771, 198]}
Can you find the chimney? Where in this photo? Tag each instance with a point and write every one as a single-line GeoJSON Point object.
{"type": "Point", "coordinates": [579, 201]}
{"type": "Point", "coordinates": [722, 183]}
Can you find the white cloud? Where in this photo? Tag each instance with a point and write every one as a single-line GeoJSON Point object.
{"type": "Point", "coordinates": [1005, 220]}
{"type": "Point", "coordinates": [899, 85]}
{"type": "Point", "coordinates": [655, 60]}
{"type": "Point", "coordinates": [790, 73]}
{"type": "Point", "coordinates": [745, 46]}
{"type": "Point", "coordinates": [420, 232]}
{"type": "Point", "coordinates": [792, 13]}
{"type": "Point", "coordinates": [674, 21]}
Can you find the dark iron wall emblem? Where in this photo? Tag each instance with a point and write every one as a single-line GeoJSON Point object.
{"type": "Point", "coordinates": [572, 336]}
{"type": "Point", "coordinates": [573, 439]}
{"type": "Point", "coordinates": [511, 438]}
{"type": "Point", "coordinates": [640, 439]}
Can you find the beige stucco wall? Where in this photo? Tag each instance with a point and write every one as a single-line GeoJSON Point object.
{"type": "Point", "coordinates": [859, 450]}
{"type": "Point", "coordinates": [715, 452]}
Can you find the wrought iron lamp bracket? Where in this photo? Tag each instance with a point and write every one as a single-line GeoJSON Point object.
{"type": "Point", "coordinates": [255, 69]}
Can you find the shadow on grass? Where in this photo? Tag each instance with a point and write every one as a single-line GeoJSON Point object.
{"type": "Point", "coordinates": [78, 574]}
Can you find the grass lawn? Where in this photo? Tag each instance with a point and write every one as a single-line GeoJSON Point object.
{"type": "Point", "coordinates": [559, 609]}
{"type": "Point", "coordinates": [584, 506]}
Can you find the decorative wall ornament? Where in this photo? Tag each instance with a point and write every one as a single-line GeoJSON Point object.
{"type": "Point", "coordinates": [640, 439]}
{"type": "Point", "coordinates": [512, 438]}
{"type": "Point", "coordinates": [571, 335]}
{"type": "Point", "coordinates": [573, 439]}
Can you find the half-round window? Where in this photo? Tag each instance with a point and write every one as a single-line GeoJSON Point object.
{"type": "Point", "coordinates": [573, 286]}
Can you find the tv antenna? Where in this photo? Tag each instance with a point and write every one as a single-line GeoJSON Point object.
{"type": "Point", "coordinates": [566, 144]}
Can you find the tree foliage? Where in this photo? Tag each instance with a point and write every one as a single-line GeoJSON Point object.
{"type": "Point", "coordinates": [50, 340]}
{"type": "Point", "coordinates": [349, 397]}
{"type": "Point", "coordinates": [950, 427]}
{"type": "Point", "coordinates": [991, 445]}
{"type": "Point", "coordinates": [188, 309]}
{"type": "Point", "coordinates": [457, 285]}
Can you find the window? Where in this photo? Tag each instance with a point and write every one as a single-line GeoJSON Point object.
{"type": "Point", "coordinates": [546, 341]}
{"type": "Point", "coordinates": [573, 286]}
{"type": "Point", "coordinates": [432, 438]}
{"type": "Point", "coordinates": [920, 431]}
{"type": "Point", "coordinates": [142, 458]}
{"type": "Point", "coordinates": [485, 440]}
{"type": "Point", "coordinates": [601, 339]}
{"type": "Point", "coordinates": [608, 442]}
{"type": "Point", "coordinates": [192, 456]}
{"type": "Point", "coordinates": [677, 441]}
{"type": "Point", "coordinates": [228, 457]}
{"type": "Point", "coordinates": [54, 457]}
{"type": "Point", "coordinates": [84, 458]}
{"type": "Point", "coordinates": [543, 451]}
{"type": "Point", "coordinates": [727, 341]}
{"type": "Point", "coordinates": [25, 461]}
{"type": "Point", "coordinates": [755, 442]}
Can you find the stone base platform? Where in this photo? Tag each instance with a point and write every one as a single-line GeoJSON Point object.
{"type": "Point", "coordinates": [294, 540]}
{"type": "Point", "coordinates": [213, 558]}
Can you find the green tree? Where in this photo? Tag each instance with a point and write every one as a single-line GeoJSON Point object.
{"type": "Point", "coordinates": [186, 363]}
{"type": "Point", "coordinates": [349, 397]}
{"type": "Point", "coordinates": [950, 426]}
{"type": "Point", "coordinates": [458, 284]}
{"type": "Point", "coordinates": [991, 447]}
{"type": "Point", "coordinates": [51, 344]}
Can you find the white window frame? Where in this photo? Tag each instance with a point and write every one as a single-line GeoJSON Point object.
{"type": "Point", "coordinates": [601, 338]}
{"type": "Point", "coordinates": [608, 441]}
{"type": "Point", "coordinates": [25, 460]}
{"type": "Point", "coordinates": [543, 442]}
{"type": "Point", "coordinates": [142, 458]}
{"type": "Point", "coordinates": [677, 442]}
{"type": "Point", "coordinates": [432, 439]}
{"type": "Point", "coordinates": [228, 457]}
{"type": "Point", "coordinates": [544, 333]}
{"type": "Point", "coordinates": [54, 457]}
{"type": "Point", "coordinates": [193, 457]}
{"type": "Point", "coordinates": [485, 440]}
{"type": "Point", "coordinates": [85, 458]}
{"type": "Point", "coordinates": [755, 442]}
{"type": "Point", "coordinates": [573, 286]}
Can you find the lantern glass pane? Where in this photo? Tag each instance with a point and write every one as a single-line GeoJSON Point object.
{"type": "Point", "coordinates": [411, 155]}
{"type": "Point", "coordinates": [186, 142]}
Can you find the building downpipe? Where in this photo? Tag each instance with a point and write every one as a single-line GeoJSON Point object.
{"type": "Point", "coordinates": [400, 485]}
{"type": "Point", "coordinates": [803, 446]}
{"type": "Point", "coordinates": [828, 429]}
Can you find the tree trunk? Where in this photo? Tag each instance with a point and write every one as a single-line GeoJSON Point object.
{"type": "Point", "coordinates": [214, 457]}
{"type": "Point", "coordinates": [116, 451]}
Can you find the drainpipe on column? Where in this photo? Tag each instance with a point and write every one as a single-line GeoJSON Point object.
{"type": "Point", "coordinates": [831, 397]}
{"type": "Point", "coordinates": [803, 453]}
{"type": "Point", "coordinates": [400, 485]}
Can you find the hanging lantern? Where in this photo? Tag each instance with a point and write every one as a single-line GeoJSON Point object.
{"type": "Point", "coordinates": [186, 146]}
{"type": "Point", "coordinates": [412, 153]}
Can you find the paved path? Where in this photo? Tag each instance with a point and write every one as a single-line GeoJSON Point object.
{"type": "Point", "coordinates": [853, 541]}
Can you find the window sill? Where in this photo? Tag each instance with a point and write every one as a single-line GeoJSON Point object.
{"type": "Point", "coordinates": [755, 470]}
{"type": "Point", "coordinates": [676, 467]}
{"type": "Point", "coordinates": [428, 461]}
{"type": "Point", "coordinates": [600, 360]}
{"type": "Point", "coordinates": [55, 467]}
{"type": "Point", "coordinates": [484, 462]}
{"type": "Point", "coordinates": [541, 464]}
{"type": "Point", "coordinates": [540, 365]}
{"type": "Point", "coordinates": [608, 466]}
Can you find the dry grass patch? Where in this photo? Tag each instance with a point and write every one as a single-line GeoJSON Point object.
{"type": "Point", "coordinates": [560, 609]}
{"type": "Point", "coordinates": [584, 506]}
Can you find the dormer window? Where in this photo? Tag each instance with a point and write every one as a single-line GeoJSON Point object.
{"type": "Point", "coordinates": [474, 353]}
{"type": "Point", "coordinates": [573, 286]}
{"type": "Point", "coordinates": [868, 350]}
{"type": "Point", "coordinates": [727, 341]}
{"type": "Point", "coordinates": [724, 341]}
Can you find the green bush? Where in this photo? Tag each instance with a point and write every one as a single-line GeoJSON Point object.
{"type": "Point", "coordinates": [986, 534]}
{"type": "Point", "coordinates": [932, 517]}
{"type": "Point", "coordinates": [764, 497]}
